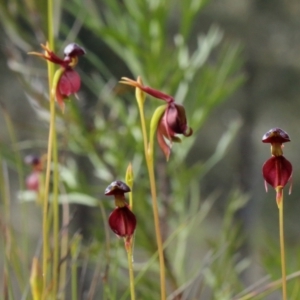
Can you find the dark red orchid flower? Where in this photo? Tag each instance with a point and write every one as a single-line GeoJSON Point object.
{"type": "Point", "coordinates": [173, 120]}
{"type": "Point", "coordinates": [69, 80]}
{"type": "Point", "coordinates": [122, 220]}
{"type": "Point", "coordinates": [277, 171]}
{"type": "Point", "coordinates": [33, 179]}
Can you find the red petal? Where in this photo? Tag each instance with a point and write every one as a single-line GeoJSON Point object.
{"type": "Point", "coordinates": [277, 171]}
{"type": "Point", "coordinates": [69, 83]}
{"type": "Point", "coordinates": [122, 221]}
{"type": "Point", "coordinates": [32, 181]}
{"type": "Point", "coordinates": [161, 132]}
{"type": "Point", "coordinates": [60, 99]}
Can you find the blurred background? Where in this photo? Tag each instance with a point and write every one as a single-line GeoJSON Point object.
{"type": "Point", "coordinates": [255, 43]}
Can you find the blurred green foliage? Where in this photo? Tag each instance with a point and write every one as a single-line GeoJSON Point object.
{"type": "Point", "coordinates": [99, 134]}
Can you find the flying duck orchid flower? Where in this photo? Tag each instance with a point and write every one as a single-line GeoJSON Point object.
{"type": "Point", "coordinates": [277, 171]}
{"type": "Point", "coordinates": [66, 80]}
{"type": "Point", "coordinates": [122, 220]}
{"type": "Point", "coordinates": [172, 121]}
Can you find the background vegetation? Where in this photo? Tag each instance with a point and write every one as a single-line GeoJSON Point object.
{"type": "Point", "coordinates": [234, 66]}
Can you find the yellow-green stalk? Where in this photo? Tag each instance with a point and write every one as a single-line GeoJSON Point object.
{"type": "Point", "coordinates": [52, 149]}
{"type": "Point", "coordinates": [148, 148]}
{"type": "Point", "coordinates": [279, 198]}
{"type": "Point", "coordinates": [129, 244]}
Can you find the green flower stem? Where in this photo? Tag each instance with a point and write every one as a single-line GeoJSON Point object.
{"type": "Point", "coordinates": [129, 182]}
{"type": "Point", "coordinates": [55, 205]}
{"type": "Point", "coordinates": [46, 196]}
{"type": "Point", "coordinates": [129, 244]}
{"type": "Point", "coordinates": [74, 249]}
{"type": "Point", "coordinates": [150, 165]}
{"type": "Point", "coordinates": [64, 249]}
{"type": "Point", "coordinates": [74, 282]}
{"type": "Point", "coordinates": [52, 149]}
{"type": "Point", "coordinates": [129, 250]}
{"type": "Point", "coordinates": [107, 292]}
{"type": "Point", "coordinates": [149, 160]}
{"type": "Point", "coordinates": [279, 199]}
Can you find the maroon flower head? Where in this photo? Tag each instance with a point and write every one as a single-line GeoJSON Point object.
{"type": "Point", "coordinates": [276, 137]}
{"type": "Point", "coordinates": [172, 122]}
{"type": "Point", "coordinates": [69, 81]}
{"type": "Point", "coordinates": [277, 171]}
{"type": "Point", "coordinates": [122, 221]}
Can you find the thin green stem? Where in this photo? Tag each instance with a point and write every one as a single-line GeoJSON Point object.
{"type": "Point", "coordinates": [46, 198]}
{"type": "Point", "coordinates": [74, 248]}
{"type": "Point", "coordinates": [55, 214]}
{"type": "Point", "coordinates": [129, 182]}
{"type": "Point", "coordinates": [282, 247]}
{"type": "Point", "coordinates": [148, 148]}
{"type": "Point", "coordinates": [107, 292]}
{"type": "Point", "coordinates": [64, 250]}
{"type": "Point", "coordinates": [49, 151]}
{"type": "Point", "coordinates": [268, 288]}
{"type": "Point", "coordinates": [130, 267]}
{"type": "Point", "coordinates": [143, 124]}
{"type": "Point", "coordinates": [50, 27]}
{"type": "Point", "coordinates": [74, 280]}
{"type": "Point", "coordinates": [150, 165]}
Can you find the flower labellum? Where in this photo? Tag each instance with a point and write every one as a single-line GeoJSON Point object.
{"type": "Point", "coordinates": [277, 171]}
